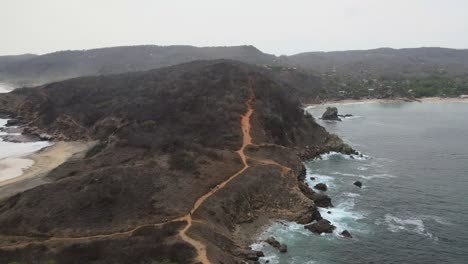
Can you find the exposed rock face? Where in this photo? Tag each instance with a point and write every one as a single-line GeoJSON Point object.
{"type": "Point", "coordinates": [321, 226]}
{"type": "Point", "coordinates": [276, 244]}
{"type": "Point", "coordinates": [358, 184]}
{"type": "Point", "coordinates": [331, 114]}
{"type": "Point", "coordinates": [321, 187]}
{"type": "Point", "coordinates": [346, 234]}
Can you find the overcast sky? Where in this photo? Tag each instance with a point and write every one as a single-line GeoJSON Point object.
{"type": "Point", "coordinates": [278, 27]}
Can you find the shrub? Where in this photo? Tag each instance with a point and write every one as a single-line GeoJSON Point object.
{"type": "Point", "coordinates": [182, 160]}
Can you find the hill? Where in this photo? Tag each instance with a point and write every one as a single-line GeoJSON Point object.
{"type": "Point", "coordinates": [387, 72]}
{"type": "Point", "coordinates": [70, 64]}
{"type": "Point", "coordinates": [187, 155]}
{"type": "Point", "coordinates": [313, 76]}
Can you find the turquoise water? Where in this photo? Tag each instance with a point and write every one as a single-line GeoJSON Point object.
{"type": "Point", "coordinates": [413, 207]}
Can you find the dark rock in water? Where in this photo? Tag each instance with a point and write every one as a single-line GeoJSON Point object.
{"type": "Point", "coordinates": [322, 200]}
{"type": "Point", "coordinates": [250, 254]}
{"type": "Point", "coordinates": [358, 184]}
{"type": "Point", "coordinates": [346, 149]}
{"type": "Point", "coordinates": [276, 244]}
{"type": "Point", "coordinates": [347, 115]}
{"type": "Point", "coordinates": [316, 215]}
{"type": "Point", "coordinates": [12, 122]}
{"type": "Point", "coordinates": [321, 187]}
{"type": "Point", "coordinates": [283, 248]}
{"type": "Point", "coordinates": [322, 226]}
{"type": "Point", "coordinates": [331, 114]}
{"type": "Point", "coordinates": [312, 214]}
{"type": "Point", "coordinates": [328, 212]}
{"type": "Point", "coordinates": [346, 234]}
{"type": "Point", "coordinates": [312, 178]}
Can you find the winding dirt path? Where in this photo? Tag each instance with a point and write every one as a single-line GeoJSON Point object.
{"type": "Point", "coordinates": [202, 255]}
{"type": "Point", "coordinates": [246, 140]}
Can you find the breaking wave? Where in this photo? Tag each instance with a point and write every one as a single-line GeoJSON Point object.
{"type": "Point", "coordinates": [412, 225]}
{"type": "Point", "coordinates": [332, 155]}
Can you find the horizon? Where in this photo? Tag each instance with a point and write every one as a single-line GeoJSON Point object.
{"type": "Point", "coordinates": [277, 55]}
{"type": "Point", "coordinates": [41, 27]}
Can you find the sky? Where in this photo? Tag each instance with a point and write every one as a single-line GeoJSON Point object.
{"type": "Point", "coordinates": [276, 27]}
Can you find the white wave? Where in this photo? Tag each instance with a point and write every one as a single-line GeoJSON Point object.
{"type": "Point", "coordinates": [366, 177]}
{"type": "Point", "coordinates": [337, 156]}
{"type": "Point", "coordinates": [353, 195]}
{"type": "Point", "coordinates": [350, 117]}
{"type": "Point", "coordinates": [3, 122]}
{"type": "Point", "coordinates": [412, 225]}
{"type": "Point", "coordinates": [343, 216]}
{"type": "Point", "coordinates": [362, 168]}
{"type": "Point", "coordinates": [437, 219]}
{"type": "Point", "coordinates": [15, 150]}
{"type": "Point", "coordinates": [319, 178]}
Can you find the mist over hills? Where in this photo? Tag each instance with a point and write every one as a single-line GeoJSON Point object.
{"type": "Point", "coordinates": [317, 75]}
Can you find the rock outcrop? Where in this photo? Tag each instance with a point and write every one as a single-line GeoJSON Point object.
{"type": "Point", "coordinates": [358, 184]}
{"type": "Point", "coordinates": [346, 234]}
{"type": "Point", "coordinates": [321, 226]}
{"type": "Point", "coordinates": [276, 244]}
{"type": "Point", "coordinates": [331, 114]}
{"type": "Point", "coordinates": [321, 186]}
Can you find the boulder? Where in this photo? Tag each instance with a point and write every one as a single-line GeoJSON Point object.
{"type": "Point", "coordinates": [346, 234]}
{"type": "Point", "coordinates": [276, 244]}
{"type": "Point", "coordinates": [321, 226]}
{"type": "Point", "coordinates": [321, 187]}
{"type": "Point", "coordinates": [331, 114]}
{"type": "Point", "coordinates": [310, 215]}
{"type": "Point", "coordinates": [312, 178]}
{"type": "Point", "coordinates": [322, 200]}
{"type": "Point", "coordinates": [12, 122]}
{"type": "Point", "coordinates": [250, 254]}
{"type": "Point", "coordinates": [358, 184]}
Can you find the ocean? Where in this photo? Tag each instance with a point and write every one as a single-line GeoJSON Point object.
{"type": "Point", "coordinates": [413, 206]}
{"type": "Point", "coordinates": [12, 161]}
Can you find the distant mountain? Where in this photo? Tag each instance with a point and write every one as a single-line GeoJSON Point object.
{"type": "Point", "coordinates": [9, 60]}
{"type": "Point", "coordinates": [409, 63]}
{"type": "Point", "coordinates": [62, 65]}
{"type": "Point", "coordinates": [314, 76]}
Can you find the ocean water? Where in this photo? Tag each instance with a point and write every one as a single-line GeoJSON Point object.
{"type": "Point", "coordinates": [413, 207]}
{"type": "Point", "coordinates": [12, 161]}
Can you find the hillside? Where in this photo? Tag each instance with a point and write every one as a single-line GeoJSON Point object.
{"type": "Point", "coordinates": [388, 72]}
{"type": "Point", "coordinates": [313, 76]}
{"type": "Point", "coordinates": [69, 64]}
{"type": "Point", "coordinates": [188, 155]}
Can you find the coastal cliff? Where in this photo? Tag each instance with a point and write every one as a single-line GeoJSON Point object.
{"type": "Point", "coordinates": [186, 156]}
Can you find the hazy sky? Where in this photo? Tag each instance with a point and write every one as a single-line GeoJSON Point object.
{"type": "Point", "coordinates": [278, 27]}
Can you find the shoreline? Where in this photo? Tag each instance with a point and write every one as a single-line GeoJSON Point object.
{"type": "Point", "coordinates": [390, 100]}
{"type": "Point", "coordinates": [40, 164]}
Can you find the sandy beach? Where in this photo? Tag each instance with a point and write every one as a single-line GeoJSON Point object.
{"type": "Point", "coordinates": [19, 174]}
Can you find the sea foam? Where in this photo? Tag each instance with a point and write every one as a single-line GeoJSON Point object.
{"type": "Point", "coordinates": [412, 225]}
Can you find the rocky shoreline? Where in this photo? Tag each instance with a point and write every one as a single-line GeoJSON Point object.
{"type": "Point", "coordinates": [386, 100]}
